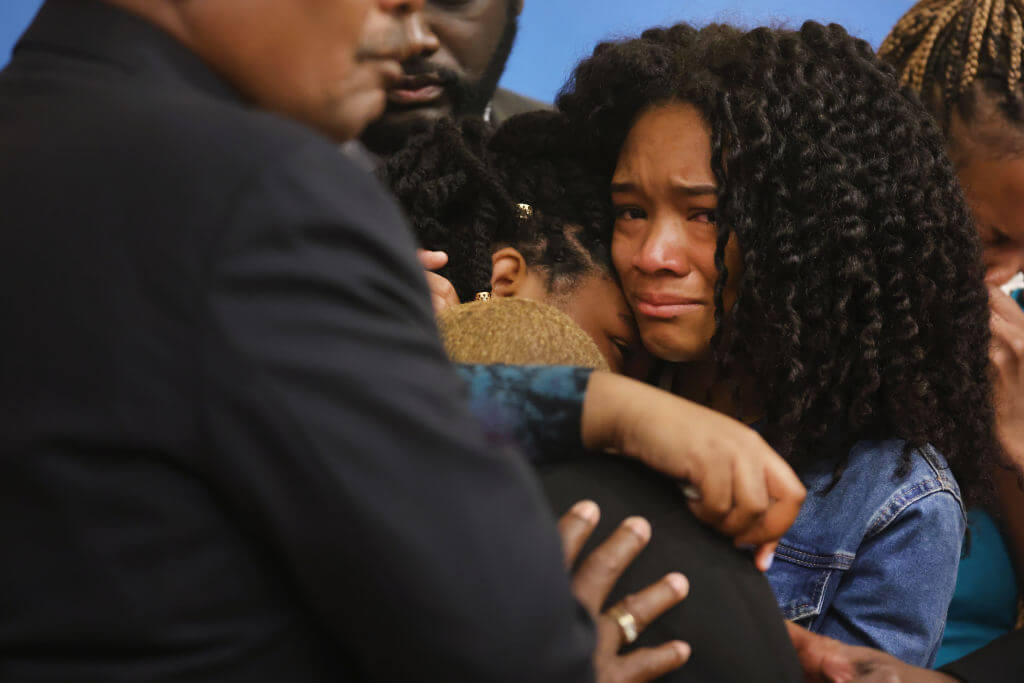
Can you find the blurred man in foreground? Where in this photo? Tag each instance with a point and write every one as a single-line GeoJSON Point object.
{"type": "Point", "coordinates": [232, 448]}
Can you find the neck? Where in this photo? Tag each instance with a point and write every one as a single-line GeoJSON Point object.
{"type": "Point", "coordinates": [699, 381]}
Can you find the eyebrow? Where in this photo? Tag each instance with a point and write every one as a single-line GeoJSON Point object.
{"type": "Point", "coordinates": [681, 188]}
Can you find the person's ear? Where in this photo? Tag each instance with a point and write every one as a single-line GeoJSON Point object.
{"type": "Point", "coordinates": [508, 272]}
{"type": "Point", "coordinates": [518, 6]}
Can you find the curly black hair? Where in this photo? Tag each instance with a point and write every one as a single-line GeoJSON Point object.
{"type": "Point", "coordinates": [461, 185]}
{"type": "Point", "coordinates": [862, 311]}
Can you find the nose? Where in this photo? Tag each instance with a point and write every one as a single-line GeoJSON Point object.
{"type": "Point", "coordinates": [417, 38]}
{"type": "Point", "coordinates": [422, 40]}
{"type": "Point", "coordinates": [664, 250]}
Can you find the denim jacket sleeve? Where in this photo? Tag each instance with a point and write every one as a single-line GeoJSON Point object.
{"type": "Point", "coordinates": [916, 586]}
{"type": "Point", "coordinates": [538, 407]}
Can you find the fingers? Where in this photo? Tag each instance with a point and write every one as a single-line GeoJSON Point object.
{"type": "Point", "coordinates": [825, 659]}
{"type": "Point", "coordinates": [811, 650]}
{"type": "Point", "coordinates": [1007, 323]}
{"type": "Point", "coordinates": [442, 293]}
{"type": "Point", "coordinates": [432, 260]}
{"type": "Point", "coordinates": [600, 570]}
{"type": "Point", "coordinates": [644, 607]}
{"type": "Point", "coordinates": [647, 664]}
{"type": "Point", "coordinates": [786, 495]}
{"type": "Point", "coordinates": [997, 273]}
{"type": "Point", "coordinates": [1007, 347]}
{"type": "Point", "coordinates": [1005, 331]}
{"type": "Point", "coordinates": [715, 487]}
{"type": "Point", "coordinates": [801, 637]}
{"type": "Point", "coordinates": [575, 528]}
{"type": "Point", "coordinates": [655, 600]}
{"type": "Point", "coordinates": [1005, 306]}
{"type": "Point", "coordinates": [748, 491]}
{"type": "Point", "coordinates": [750, 499]}
{"type": "Point", "coordinates": [764, 556]}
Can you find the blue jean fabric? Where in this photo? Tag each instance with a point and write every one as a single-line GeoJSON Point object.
{"type": "Point", "coordinates": [873, 560]}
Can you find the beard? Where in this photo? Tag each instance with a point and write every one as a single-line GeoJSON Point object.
{"type": "Point", "coordinates": [467, 98]}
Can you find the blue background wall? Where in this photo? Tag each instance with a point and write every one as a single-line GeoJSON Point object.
{"type": "Point", "coordinates": [14, 17]}
{"type": "Point", "coordinates": [555, 34]}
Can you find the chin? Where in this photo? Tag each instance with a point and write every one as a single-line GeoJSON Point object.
{"type": "Point", "coordinates": [390, 131]}
{"type": "Point", "coordinates": [345, 121]}
{"type": "Point", "coordinates": [675, 349]}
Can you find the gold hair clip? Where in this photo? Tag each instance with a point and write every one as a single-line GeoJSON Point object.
{"type": "Point", "coordinates": [525, 211]}
{"type": "Point", "coordinates": [482, 296]}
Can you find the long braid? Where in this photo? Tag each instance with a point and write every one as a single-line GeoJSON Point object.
{"type": "Point", "coordinates": [979, 22]}
{"type": "Point", "coordinates": [943, 49]}
{"type": "Point", "coordinates": [1016, 31]}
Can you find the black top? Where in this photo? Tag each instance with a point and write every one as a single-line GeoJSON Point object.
{"type": "Point", "coordinates": [730, 619]}
{"type": "Point", "coordinates": [231, 448]}
{"type": "Point", "coordinates": [1001, 661]}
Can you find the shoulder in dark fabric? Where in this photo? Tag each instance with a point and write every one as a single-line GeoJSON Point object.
{"type": "Point", "coordinates": [505, 104]}
{"type": "Point", "coordinates": [730, 618]}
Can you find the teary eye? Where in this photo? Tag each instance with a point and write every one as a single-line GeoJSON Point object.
{"type": "Point", "coordinates": [630, 213]}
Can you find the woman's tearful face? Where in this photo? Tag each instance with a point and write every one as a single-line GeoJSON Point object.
{"type": "Point", "coordinates": [665, 200]}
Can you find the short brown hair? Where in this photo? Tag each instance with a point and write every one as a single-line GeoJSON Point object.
{"type": "Point", "coordinates": [516, 332]}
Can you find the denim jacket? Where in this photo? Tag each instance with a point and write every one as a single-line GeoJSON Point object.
{"type": "Point", "coordinates": [873, 561]}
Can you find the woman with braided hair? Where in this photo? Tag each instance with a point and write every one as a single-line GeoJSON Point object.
{"type": "Point", "coordinates": [963, 59]}
{"type": "Point", "coordinates": [793, 242]}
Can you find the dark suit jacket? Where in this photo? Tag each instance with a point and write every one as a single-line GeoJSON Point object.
{"type": "Point", "coordinates": [506, 103]}
{"type": "Point", "coordinates": [231, 448]}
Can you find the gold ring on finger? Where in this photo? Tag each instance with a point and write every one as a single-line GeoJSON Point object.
{"type": "Point", "coordinates": [626, 622]}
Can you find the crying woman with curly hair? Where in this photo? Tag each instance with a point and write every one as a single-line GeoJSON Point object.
{"type": "Point", "coordinates": [794, 245]}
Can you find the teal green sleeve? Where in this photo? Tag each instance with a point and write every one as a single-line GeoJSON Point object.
{"type": "Point", "coordinates": [538, 407]}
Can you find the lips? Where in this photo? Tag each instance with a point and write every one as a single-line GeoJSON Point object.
{"type": "Point", "coordinates": [666, 306]}
{"type": "Point", "coordinates": [416, 90]}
